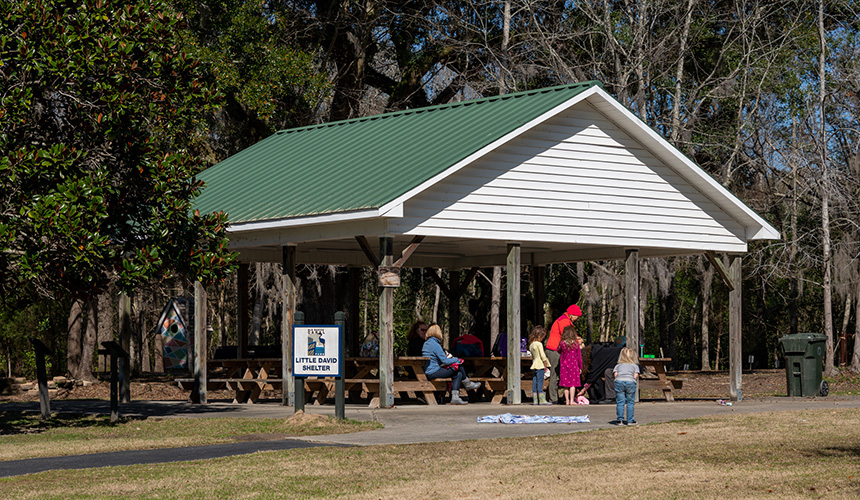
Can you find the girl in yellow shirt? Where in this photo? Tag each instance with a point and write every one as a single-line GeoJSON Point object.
{"type": "Point", "coordinates": [540, 363]}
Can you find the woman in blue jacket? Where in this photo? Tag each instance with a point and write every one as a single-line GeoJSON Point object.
{"type": "Point", "coordinates": [440, 365]}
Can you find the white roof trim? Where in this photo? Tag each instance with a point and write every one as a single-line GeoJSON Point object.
{"type": "Point", "coordinates": [314, 219]}
{"type": "Point", "coordinates": [489, 148]}
{"type": "Point", "coordinates": [757, 228]}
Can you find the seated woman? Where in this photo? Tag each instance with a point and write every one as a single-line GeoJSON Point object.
{"type": "Point", "coordinates": [441, 366]}
{"type": "Point", "coordinates": [416, 338]}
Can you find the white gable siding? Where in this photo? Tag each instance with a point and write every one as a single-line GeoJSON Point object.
{"type": "Point", "coordinates": [575, 179]}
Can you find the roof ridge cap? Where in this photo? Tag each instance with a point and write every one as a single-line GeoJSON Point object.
{"type": "Point", "coordinates": [437, 107]}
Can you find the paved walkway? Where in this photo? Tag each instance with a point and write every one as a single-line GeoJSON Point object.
{"type": "Point", "coordinates": [402, 425]}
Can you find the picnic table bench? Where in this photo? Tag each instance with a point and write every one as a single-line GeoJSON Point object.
{"type": "Point", "coordinates": [662, 382]}
{"type": "Point", "coordinates": [246, 377]}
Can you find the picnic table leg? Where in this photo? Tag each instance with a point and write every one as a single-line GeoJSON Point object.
{"type": "Point", "coordinates": [429, 396]}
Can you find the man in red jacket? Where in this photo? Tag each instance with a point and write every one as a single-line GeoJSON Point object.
{"type": "Point", "coordinates": [572, 314]}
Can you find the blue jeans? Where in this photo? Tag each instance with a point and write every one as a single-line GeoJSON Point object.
{"type": "Point", "coordinates": [456, 376]}
{"type": "Point", "coordinates": [537, 382]}
{"type": "Point", "coordinates": [625, 394]}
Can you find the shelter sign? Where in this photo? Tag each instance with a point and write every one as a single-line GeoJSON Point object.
{"type": "Point", "coordinates": [317, 350]}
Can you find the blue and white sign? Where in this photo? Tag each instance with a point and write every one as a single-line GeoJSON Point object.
{"type": "Point", "coordinates": [317, 350]}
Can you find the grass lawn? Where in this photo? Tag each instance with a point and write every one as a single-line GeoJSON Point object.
{"type": "Point", "coordinates": [24, 435]}
{"type": "Point", "coordinates": [811, 454]}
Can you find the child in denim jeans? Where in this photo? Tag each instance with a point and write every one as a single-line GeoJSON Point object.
{"type": "Point", "coordinates": [540, 364]}
{"type": "Point", "coordinates": [626, 374]}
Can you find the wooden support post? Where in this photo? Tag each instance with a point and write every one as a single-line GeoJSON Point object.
{"type": "Point", "coordinates": [339, 386]}
{"type": "Point", "coordinates": [735, 324]}
{"type": "Point", "coordinates": [513, 326]}
{"type": "Point", "coordinates": [125, 344]}
{"type": "Point", "coordinates": [539, 277]}
{"type": "Point", "coordinates": [453, 307]}
{"type": "Point", "coordinates": [298, 393]}
{"type": "Point", "coordinates": [117, 354]}
{"type": "Point", "coordinates": [721, 270]}
{"type": "Point", "coordinates": [242, 319]}
{"type": "Point", "coordinates": [42, 376]}
{"type": "Point", "coordinates": [495, 305]}
{"type": "Point", "coordinates": [114, 389]}
{"type": "Point", "coordinates": [386, 328]}
{"type": "Point", "coordinates": [631, 270]}
{"type": "Point", "coordinates": [288, 315]}
{"type": "Point", "coordinates": [201, 344]}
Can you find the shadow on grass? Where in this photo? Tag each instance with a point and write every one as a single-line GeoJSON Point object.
{"type": "Point", "coordinates": [839, 451]}
{"type": "Point", "coordinates": [18, 422]}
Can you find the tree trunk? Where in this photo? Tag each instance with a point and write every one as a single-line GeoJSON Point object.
{"type": "Point", "coordinates": [707, 282]}
{"type": "Point", "coordinates": [106, 314]}
{"type": "Point", "coordinates": [158, 353]}
{"type": "Point", "coordinates": [679, 74]}
{"type": "Point", "coordinates": [259, 297]}
{"type": "Point", "coordinates": [845, 319]}
{"type": "Point", "coordinates": [495, 304]}
{"type": "Point", "coordinates": [604, 333]}
{"type": "Point", "coordinates": [145, 329]}
{"type": "Point", "coordinates": [670, 324]}
{"type": "Point", "coordinates": [792, 249]}
{"type": "Point", "coordinates": [73, 350]}
{"type": "Point", "coordinates": [437, 299]}
{"type": "Point", "coordinates": [504, 70]}
{"type": "Point", "coordinates": [829, 366]}
{"type": "Point", "coordinates": [717, 353]}
{"type": "Point", "coordinates": [88, 345]}
{"type": "Point", "coordinates": [855, 358]}
{"type": "Point", "coordinates": [585, 300]}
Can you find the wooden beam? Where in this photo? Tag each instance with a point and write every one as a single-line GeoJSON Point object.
{"type": "Point", "coordinates": [368, 252]}
{"type": "Point", "coordinates": [386, 329]}
{"type": "Point", "coordinates": [288, 319]}
{"type": "Point", "coordinates": [408, 251]}
{"type": "Point", "coordinates": [631, 310]}
{"type": "Point", "coordinates": [443, 287]}
{"type": "Point", "coordinates": [201, 344]}
{"type": "Point", "coordinates": [721, 270]}
{"type": "Point", "coordinates": [513, 326]}
{"type": "Point", "coordinates": [735, 324]}
{"type": "Point", "coordinates": [470, 276]}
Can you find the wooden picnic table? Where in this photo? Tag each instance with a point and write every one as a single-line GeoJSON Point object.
{"type": "Point", "coordinates": [246, 377]}
{"type": "Point", "coordinates": [492, 373]}
{"type": "Point", "coordinates": [249, 377]}
{"type": "Point", "coordinates": [658, 366]}
{"type": "Point", "coordinates": [362, 377]}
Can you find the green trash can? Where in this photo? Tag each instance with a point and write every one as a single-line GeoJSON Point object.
{"type": "Point", "coordinates": [804, 354]}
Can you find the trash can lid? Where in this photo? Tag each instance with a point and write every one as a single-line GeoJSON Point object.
{"type": "Point", "coordinates": [797, 342]}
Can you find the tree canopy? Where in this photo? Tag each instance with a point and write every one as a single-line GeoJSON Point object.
{"type": "Point", "coordinates": [101, 111]}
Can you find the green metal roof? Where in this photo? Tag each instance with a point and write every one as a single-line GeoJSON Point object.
{"type": "Point", "coordinates": [367, 162]}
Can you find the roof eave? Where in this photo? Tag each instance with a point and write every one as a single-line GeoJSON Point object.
{"type": "Point", "coordinates": [308, 220]}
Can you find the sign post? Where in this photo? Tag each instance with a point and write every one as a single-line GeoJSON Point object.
{"type": "Point", "coordinates": [318, 352]}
